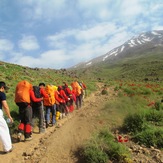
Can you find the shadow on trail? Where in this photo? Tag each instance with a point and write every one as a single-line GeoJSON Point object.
{"type": "Point", "coordinates": [78, 154]}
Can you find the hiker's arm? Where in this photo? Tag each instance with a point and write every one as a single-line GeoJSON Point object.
{"type": "Point", "coordinates": [33, 98]}
{"type": "Point", "coordinates": [6, 109]}
{"type": "Point", "coordinates": [43, 93]}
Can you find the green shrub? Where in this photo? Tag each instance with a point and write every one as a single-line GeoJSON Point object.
{"type": "Point", "coordinates": [154, 116]}
{"type": "Point", "coordinates": [158, 105]}
{"type": "Point", "coordinates": [106, 135]}
{"type": "Point", "coordinates": [117, 151]}
{"type": "Point", "coordinates": [116, 88]}
{"type": "Point", "coordinates": [134, 123]}
{"type": "Point", "coordinates": [129, 91]}
{"type": "Point", "coordinates": [146, 91]}
{"type": "Point", "coordinates": [150, 137]}
{"type": "Point", "coordinates": [92, 154]}
{"type": "Point", "coordinates": [103, 147]}
{"type": "Point", "coordinates": [104, 92]}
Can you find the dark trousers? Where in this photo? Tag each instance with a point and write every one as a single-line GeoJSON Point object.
{"type": "Point", "coordinates": [25, 114]}
{"type": "Point", "coordinates": [38, 112]}
{"type": "Point", "coordinates": [79, 101]}
{"type": "Point", "coordinates": [62, 108]}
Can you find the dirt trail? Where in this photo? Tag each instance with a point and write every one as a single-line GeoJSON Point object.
{"type": "Point", "coordinates": [57, 144]}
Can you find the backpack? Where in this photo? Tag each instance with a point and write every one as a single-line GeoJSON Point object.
{"type": "Point", "coordinates": [22, 95]}
{"type": "Point", "coordinates": [77, 88]}
{"type": "Point", "coordinates": [49, 101]}
{"type": "Point", "coordinates": [36, 90]}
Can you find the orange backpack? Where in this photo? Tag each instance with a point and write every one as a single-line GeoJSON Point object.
{"type": "Point", "coordinates": [76, 87]}
{"type": "Point", "coordinates": [22, 92]}
{"type": "Point", "coordinates": [49, 101]}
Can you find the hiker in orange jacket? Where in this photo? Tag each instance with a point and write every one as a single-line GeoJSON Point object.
{"type": "Point", "coordinates": [28, 127]}
{"type": "Point", "coordinates": [78, 93]}
{"type": "Point", "coordinates": [23, 100]}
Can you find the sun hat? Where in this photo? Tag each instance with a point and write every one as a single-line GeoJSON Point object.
{"type": "Point", "coordinates": [3, 84]}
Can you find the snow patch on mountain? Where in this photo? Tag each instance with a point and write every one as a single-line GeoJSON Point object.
{"type": "Point", "coordinates": [105, 58]}
{"type": "Point", "coordinates": [122, 48]}
{"type": "Point", "coordinates": [139, 41]}
{"type": "Point", "coordinates": [155, 33]}
{"type": "Point", "coordinates": [89, 63]}
{"type": "Point", "coordinates": [113, 52]}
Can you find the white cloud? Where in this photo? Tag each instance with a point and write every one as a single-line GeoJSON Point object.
{"type": "Point", "coordinates": [98, 31]}
{"type": "Point", "coordinates": [41, 9]}
{"type": "Point", "coordinates": [28, 43]}
{"type": "Point", "coordinates": [6, 45]}
{"type": "Point", "coordinates": [131, 8]}
{"type": "Point", "coordinates": [48, 59]}
{"type": "Point", "coordinates": [86, 34]}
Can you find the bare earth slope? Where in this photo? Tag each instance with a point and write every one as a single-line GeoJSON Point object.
{"type": "Point", "coordinates": [58, 144]}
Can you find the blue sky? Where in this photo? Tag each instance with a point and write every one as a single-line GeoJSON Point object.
{"type": "Point", "coordinates": [61, 33]}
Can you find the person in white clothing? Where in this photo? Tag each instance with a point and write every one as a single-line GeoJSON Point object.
{"type": "Point", "coordinates": [4, 130]}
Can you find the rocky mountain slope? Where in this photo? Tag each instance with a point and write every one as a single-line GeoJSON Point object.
{"type": "Point", "coordinates": [142, 44]}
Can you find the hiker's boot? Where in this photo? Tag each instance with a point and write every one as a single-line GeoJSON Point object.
{"type": "Point", "coordinates": [41, 130]}
{"type": "Point", "coordinates": [19, 136]}
{"type": "Point", "coordinates": [28, 138]}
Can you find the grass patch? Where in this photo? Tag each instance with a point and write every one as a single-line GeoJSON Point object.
{"type": "Point", "coordinates": [103, 147]}
{"type": "Point", "coordinates": [145, 127]}
{"type": "Point", "coordinates": [150, 137]}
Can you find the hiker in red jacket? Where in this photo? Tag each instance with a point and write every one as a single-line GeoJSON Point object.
{"type": "Point", "coordinates": [65, 98]}
{"type": "Point", "coordinates": [71, 97]}
{"type": "Point", "coordinates": [37, 107]}
{"type": "Point", "coordinates": [60, 102]}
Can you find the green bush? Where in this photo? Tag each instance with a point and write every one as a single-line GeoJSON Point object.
{"type": "Point", "coordinates": [150, 137]}
{"type": "Point", "coordinates": [106, 135]}
{"type": "Point", "coordinates": [134, 123]}
{"type": "Point", "coordinates": [93, 154]}
{"type": "Point", "coordinates": [129, 91]}
{"type": "Point", "coordinates": [103, 147]}
{"type": "Point", "coordinates": [146, 91]}
{"type": "Point", "coordinates": [154, 116]}
{"type": "Point", "coordinates": [158, 105]}
{"type": "Point", "coordinates": [104, 92]}
{"type": "Point", "coordinates": [116, 88]}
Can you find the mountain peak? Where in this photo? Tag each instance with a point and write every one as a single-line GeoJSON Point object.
{"type": "Point", "coordinates": [143, 41]}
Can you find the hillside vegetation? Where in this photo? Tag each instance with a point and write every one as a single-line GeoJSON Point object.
{"type": "Point", "coordinates": [144, 67]}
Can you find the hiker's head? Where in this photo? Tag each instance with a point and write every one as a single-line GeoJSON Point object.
{"type": "Point", "coordinates": [3, 86]}
{"type": "Point", "coordinates": [65, 84]}
{"type": "Point", "coordinates": [41, 85]}
{"type": "Point", "coordinates": [59, 88]}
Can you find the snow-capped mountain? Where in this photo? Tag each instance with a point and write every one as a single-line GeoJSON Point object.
{"type": "Point", "coordinates": [145, 42]}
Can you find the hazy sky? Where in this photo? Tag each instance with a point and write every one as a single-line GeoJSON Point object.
{"type": "Point", "coordinates": [61, 33]}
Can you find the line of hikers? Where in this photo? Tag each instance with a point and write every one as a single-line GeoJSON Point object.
{"type": "Point", "coordinates": [47, 102]}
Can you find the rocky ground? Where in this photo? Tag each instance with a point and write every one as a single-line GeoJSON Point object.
{"type": "Point", "coordinates": [60, 143]}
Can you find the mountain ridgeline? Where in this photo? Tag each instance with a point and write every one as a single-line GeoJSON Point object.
{"type": "Point", "coordinates": [140, 58]}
